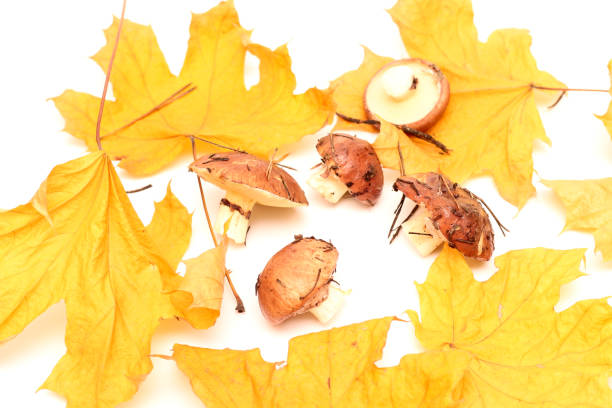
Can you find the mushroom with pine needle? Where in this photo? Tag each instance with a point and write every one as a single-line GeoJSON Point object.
{"type": "Point", "coordinates": [299, 279]}
{"type": "Point", "coordinates": [444, 212]}
{"type": "Point", "coordinates": [349, 165]}
{"type": "Point", "coordinates": [247, 180]}
{"type": "Point", "coordinates": [410, 93]}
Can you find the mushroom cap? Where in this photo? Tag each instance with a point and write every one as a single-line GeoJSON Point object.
{"type": "Point", "coordinates": [296, 278]}
{"type": "Point", "coordinates": [454, 210]}
{"type": "Point", "coordinates": [245, 174]}
{"type": "Point", "coordinates": [436, 111]}
{"type": "Point", "coordinates": [355, 163]}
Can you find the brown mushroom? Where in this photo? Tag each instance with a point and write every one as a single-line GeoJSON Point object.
{"type": "Point", "coordinates": [409, 92]}
{"type": "Point", "coordinates": [298, 279]}
{"type": "Point", "coordinates": [445, 212]}
{"type": "Point", "coordinates": [349, 165]}
{"type": "Point", "coordinates": [247, 180]}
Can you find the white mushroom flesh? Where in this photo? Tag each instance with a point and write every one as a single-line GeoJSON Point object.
{"type": "Point", "coordinates": [327, 309]}
{"type": "Point", "coordinates": [233, 217]}
{"type": "Point", "coordinates": [398, 105]}
{"type": "Point", "coordinates": [421, 232]}
{"type": "Point", "coordinates": [398, 82]}
{"type": "Point", "coordinates": [328, 184]}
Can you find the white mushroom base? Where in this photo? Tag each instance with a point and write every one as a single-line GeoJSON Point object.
{"type": "Point", "coordinates": [330, 187]}
{"type": "Point", "coordinates": [330, 306]}
{"type": "Point", "coordinates": [420, 223]}
{"type": "Point", "coordinates": [231, 220]}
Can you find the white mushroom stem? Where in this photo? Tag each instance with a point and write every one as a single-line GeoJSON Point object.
{"type": "Point", "coordinates": [233, 217]}
{"type": "Point", "coordinates": [421, 232]}
{"type": "Point", "coordinates": [327, 309]}
{"type": "Point", "coordinates": [398, 82]}
{"type": "Point", "coordinates": [328, 184]}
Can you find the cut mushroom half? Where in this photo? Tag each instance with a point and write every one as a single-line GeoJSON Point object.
{"type": "Point", "coordinates": [445, 212]}
{"type": "Point", "coordinates": [349, 165]}
{"type": "Point", "coordinates": [247, 180]}
{"type": "Point", "coordinates": [409, 92]}
{"type": "Point", "coordinates": [299, 279]}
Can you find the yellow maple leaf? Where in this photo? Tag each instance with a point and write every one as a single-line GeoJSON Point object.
{"type": "Point", "coordinates": [588, 208]}
{"type": "Point", "coordinates": [96, 255]}
{"type": "Point", "coordinates": [496, 343]}
{"type": "Point", "coordinates": [606, 118]}
{"type": "Point", "coordinates": [170, 229]}
{"type": "Point", "coordinates": [491, 121]}
{"type": "Point", "coordinates": [198, 297]}
{"type": "Point", "coordinates": [220, 109]}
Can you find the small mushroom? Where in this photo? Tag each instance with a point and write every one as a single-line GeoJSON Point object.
{"type": "Point", "coordinates": [349, 165]}
{"type": "Point", "coordinates": [298, 279]}
{"type": "Point", "coordinates": [247, 180]}
{"type": "Point", "coordinates": [409, 92]}
{"type": "Point", "coordinates": [445, 211]}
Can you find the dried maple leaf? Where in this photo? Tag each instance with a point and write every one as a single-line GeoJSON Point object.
{"type": "Point", "coordinates": [149, 124]}
{"type": "Point", "coordinates": [198, 296]}
{"type": "Point", "coordinates": [495, 343]}
{"type": "Point", "coordinates": [80, 240]}
{"type": "Point", "coordinates": [170, 229]}
{"type": "Point", "coordinates": [491, 121]}
{"type": "Point", "coordinates": [588, 208]}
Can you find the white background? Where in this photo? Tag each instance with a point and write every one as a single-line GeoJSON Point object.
{"type": "Point", "coordinates": [45, 45]}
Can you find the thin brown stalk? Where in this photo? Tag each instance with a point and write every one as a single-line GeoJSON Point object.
{"type": "Point", "coordinates": [107, 79]}
{"type": "Point", "coordinates": [138, 190]}
{"type": "Point", "coordinates": [166, 102]}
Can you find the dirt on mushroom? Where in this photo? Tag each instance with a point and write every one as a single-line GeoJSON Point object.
{"type": "Point", "coordinates": [348, 165]}
{"type": "Point", "coordinates": [447, 212]}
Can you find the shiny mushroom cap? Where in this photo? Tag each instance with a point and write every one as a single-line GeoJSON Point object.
{"type": "Point", "coordinates": [410, 92]}
{"type": "Point", "coordinates": [355, 163]}
{"type": "Point", "coordinates": [453, 210]}
{"type": "Point", "coordinates": [296, 278]}
{"type": "Point", "coordinates": [247, 175]}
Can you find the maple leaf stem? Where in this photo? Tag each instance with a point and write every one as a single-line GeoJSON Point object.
{"type": "Point", "coordinates": [547, 88]}
{"type": "Point", "coordinates": [166, 102]}
{"type": "Point", "coordinates": [408, 131]}
{"type": "Point", "coordinates": [239, 303]}
{"type": "Point", "coordinates": [138, 190]}
{"type": "Point", "coordinates": [107, 79]}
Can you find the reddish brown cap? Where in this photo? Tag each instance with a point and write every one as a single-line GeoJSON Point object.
{"type": "Point", "coordinates": [247, 175]}
{"type": "Point", "coordinates": [454, 210]}
{"type": "Point", "coordinates": [355, 163]}
{"type": "Point", "coordinates": [296, 278]}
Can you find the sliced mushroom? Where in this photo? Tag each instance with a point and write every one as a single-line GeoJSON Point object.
{"type": "Point", "coordinates": [247, 180]}
{"type": "Point", "coordinates": [409, 92]}
{"type": "Point", "coordinates": [445, 212]}
{"type": "Point", "coordinates": [349, 165]}
{"type": "Point", "coordinates": [298, 279]}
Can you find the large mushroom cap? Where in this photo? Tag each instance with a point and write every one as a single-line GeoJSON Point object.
{"type": "Point", "coordinates": [296, 278]}
{"type": "Point", "coordinates": [425, 104]}
{"type": "Point", "coordinates": [245, 174]}
{"type": "Point", "coordinates": [454, 210]}
{"type": "Point", "coordinates": [355, 163]}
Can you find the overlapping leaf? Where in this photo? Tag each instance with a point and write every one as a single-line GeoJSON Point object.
{"type": "Point", "coordinates": [220, 108]}
{"type": "Point", "coordinates": [491, 121]}
{"type": "Point", "coordinates": [588, 206]}
{"type": "Point", "coordinates": [198, 296]}
{"type": "Point", "coordinates": [495, 343]}
{"type": "Point", "coordinates": [80, 240]}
